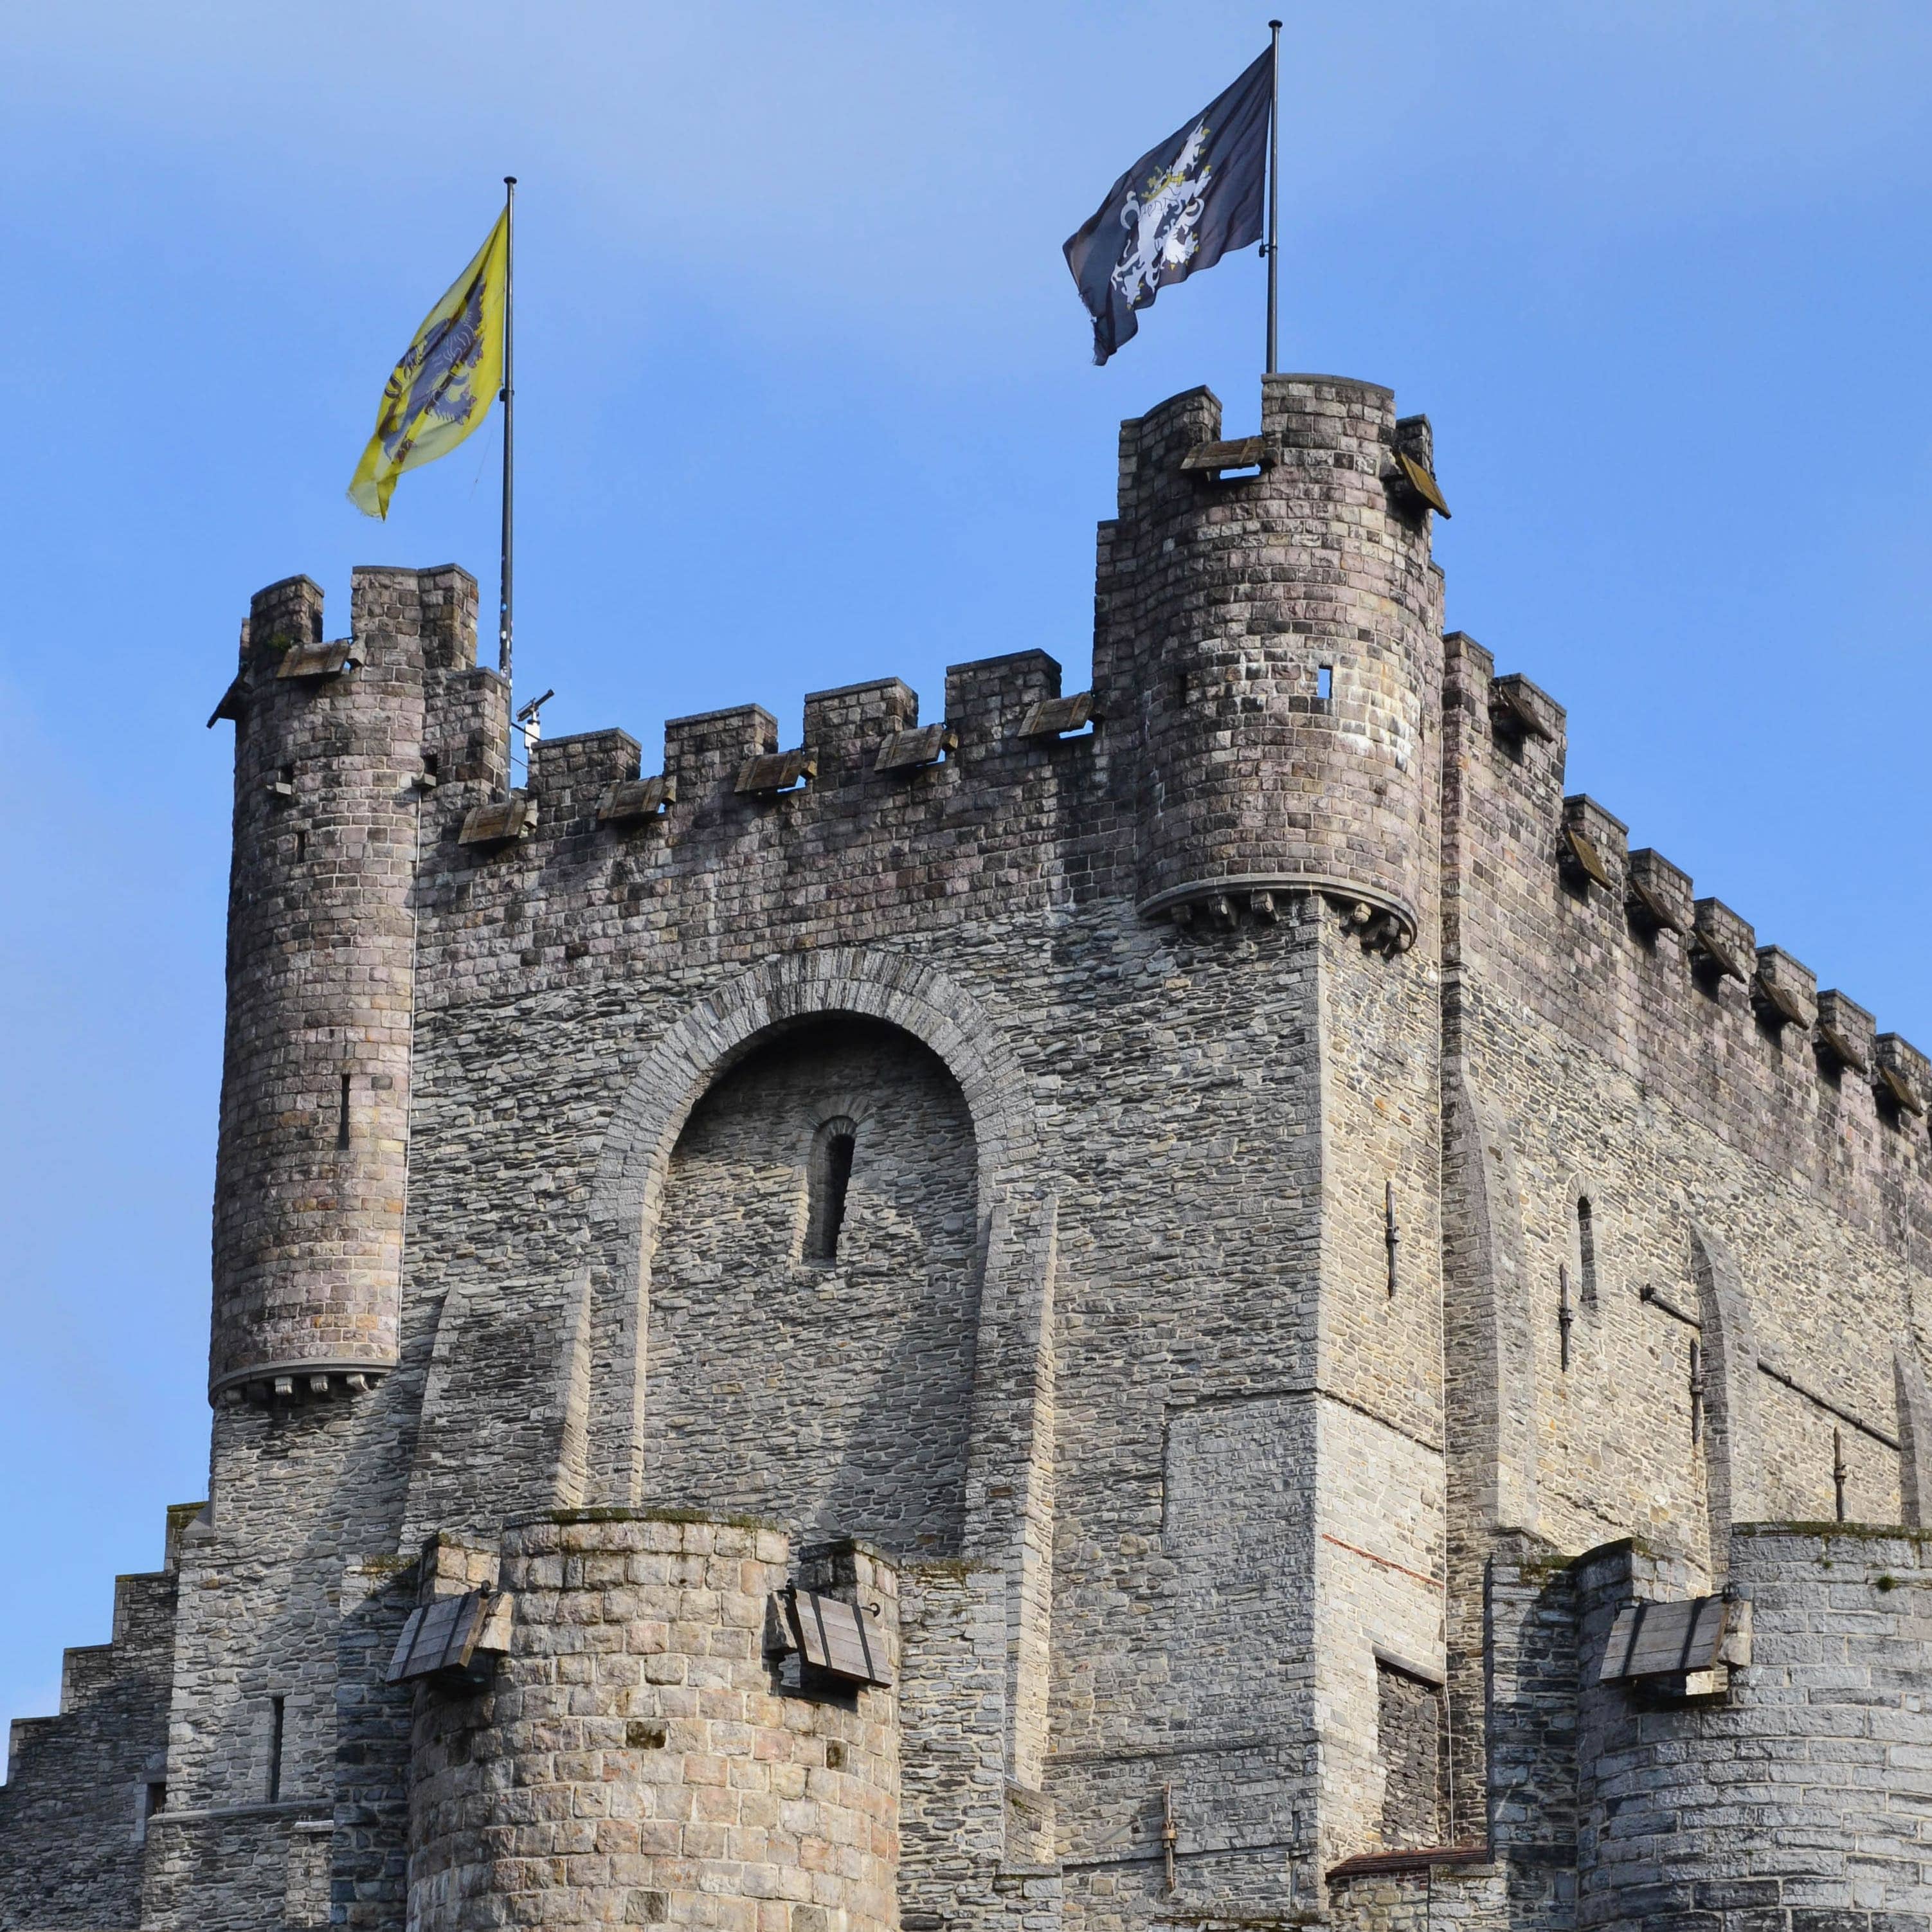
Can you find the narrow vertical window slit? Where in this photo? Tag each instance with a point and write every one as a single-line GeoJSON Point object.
{"type": "Point", "coordinates": [829, 1176]}
{"type": "Point", "coordinates": [1586, 1248]}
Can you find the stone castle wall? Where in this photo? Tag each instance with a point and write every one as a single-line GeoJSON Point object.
{"type": "Point", "coordinates": [1630, 1072]}
{"type": "Point", "coordinates": [81, 1786]}
{"type": "Point", "coordinates": [1212, 1341]}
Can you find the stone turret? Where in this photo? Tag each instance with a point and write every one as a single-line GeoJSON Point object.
{"type": "Point", "coordinates": [1267, 609]}
{"type": "Point", "coordinates": [329, 778]}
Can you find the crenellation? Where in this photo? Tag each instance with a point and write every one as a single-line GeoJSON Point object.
{"type": "Point", "coordinates": [1520, 710]}
{"type": "Point", "coordinates": [846, 726]}
{"type": "Point", "coordinates": [1596, 846]}
{"type": "Point", "coordinates": [1721, 943]}
{"type": "Point", "coordinates": [986, 699]}
{"type": "Point", "coordinates": [1786, 992]}
{"type": "Point", "coordinates": [1848, 1033]}
{"type": "Point", "coordinates": [570, 778]}
{"type": "Point", "coordinates": [283, 615]}
{"type": "Point", "coordinates": [1904, 1073]}
{"type": "Point", "coordinates": [1225, 1220]}
{"type": "Point", "coordinates": [1662, 895]}
{"type": "Point", "coordinates": [708, 747]}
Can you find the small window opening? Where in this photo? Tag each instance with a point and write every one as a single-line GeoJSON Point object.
{"type": "Point", "coordinates": [301, 847]}
{"type": "Point", "coordinates": [1181, 692]}
{"type": "Point", "coordinates": [154, 1799]}
{"type": "Point", "coordinates": [432, 765]}
{"type": "Point", "coordinates": [278, 1709]}
{"type": "Point", "coordinates": [1586, 1247]}
{"type": "Point", "coordinates": [287, 773]}
{"type": "Point", "coordinates": [342, 1117]}
{"type": "Point", "coordinates": [829, 1177]}
{"type": "Point", "coordinates": [1325, 682]}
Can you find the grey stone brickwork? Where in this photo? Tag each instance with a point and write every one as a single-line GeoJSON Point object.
{"type": "Point", "coordinates": [1795, 1795]}
{"type": "Point", "coordinates": [82, 1787]}
{"type": "Point", "coordinates": [857, 1366]}
{"type": "Point", "coordinates": [1320, 1223]}
{"type": "Point", "coordinates": [633, 1762]}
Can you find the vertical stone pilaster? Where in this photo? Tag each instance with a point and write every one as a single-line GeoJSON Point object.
{"type": "Point", "coordinates": [1733, 1444]}
{"type": "Point", "coordinates": [1914, 1436]}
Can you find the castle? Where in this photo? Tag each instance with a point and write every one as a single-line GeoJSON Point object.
{"type": "Point", "coordinates": [1199, 1304]}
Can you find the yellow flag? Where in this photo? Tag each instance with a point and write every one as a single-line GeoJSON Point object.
{"type": "Point", "coordinates": [446, 381]}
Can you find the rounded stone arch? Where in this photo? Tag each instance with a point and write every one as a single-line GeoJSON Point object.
{"type": "Point", "coordinates": [603, 1373]}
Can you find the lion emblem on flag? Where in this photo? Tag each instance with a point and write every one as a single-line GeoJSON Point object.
{"type": "Point", "coordinates": [1160, 222]}
{"type": "Point", "coordinates": [433, 382]}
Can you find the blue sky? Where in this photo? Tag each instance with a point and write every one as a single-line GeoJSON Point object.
{"type": "Point", "coordinates": [805, 398]}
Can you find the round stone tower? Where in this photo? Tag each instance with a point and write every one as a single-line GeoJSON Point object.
{"type": "Point", "coordinates": [633, 1759]}
{"type": "Point", "coordinates": [1267, 612]}
{"type": "Point", "coordinates": [310, 1170]}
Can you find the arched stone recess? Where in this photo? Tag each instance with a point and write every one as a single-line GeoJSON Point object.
{"type": "Point", "coordinates": [598, 1461]}
{"type": "Point", "coordinates": [1008, 1498]}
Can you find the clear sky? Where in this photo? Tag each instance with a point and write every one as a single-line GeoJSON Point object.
{"type": "Point", "coordinates": [805, 397]}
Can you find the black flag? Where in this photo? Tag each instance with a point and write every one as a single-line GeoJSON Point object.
{"type": "Point", "coordinates": [1180, 207]}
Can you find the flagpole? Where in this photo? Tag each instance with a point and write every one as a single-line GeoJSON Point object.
{"type": "Point", "coordinates": [1274, 183]}
{"type": "Point", "coordinates": [503, 617]}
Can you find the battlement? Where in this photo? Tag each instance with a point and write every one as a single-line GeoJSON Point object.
{"type": "Point", "coordinates": [865, 738]}
{"type": "Point", "coordinates": [1704, 973]}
